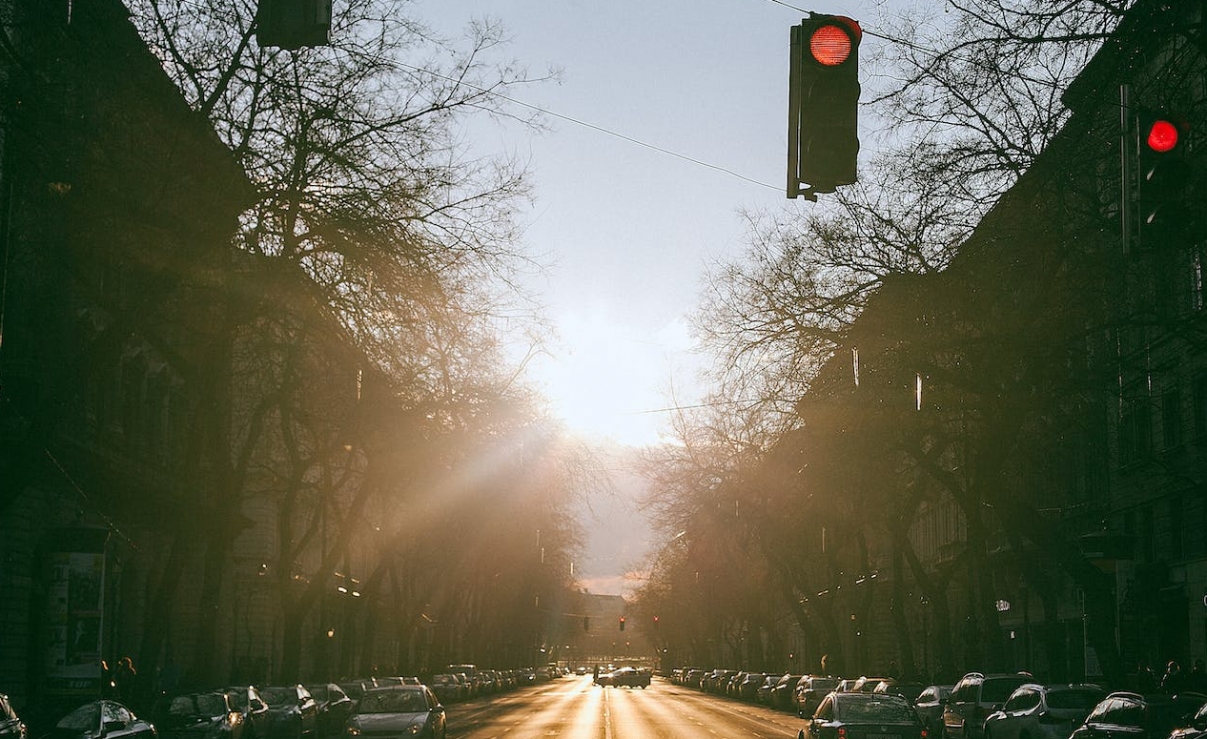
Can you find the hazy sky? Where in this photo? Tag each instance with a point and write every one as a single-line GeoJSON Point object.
{"type": "Point", "coordinates": [628, 228]}
{"type": "Point", "coordinates": [631, 229]}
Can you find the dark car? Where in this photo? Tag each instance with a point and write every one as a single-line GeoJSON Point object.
{"type": "Point", "coordinates": [781, 694]}
{"type": "Point", "coordinates": [907, 690]}
{"type": "Point", "coordinates": [1139, 716]}
{"type": "Point", "coordinates": [354, 689]}
{"type": "Point", "coordinates": [863, 716]}
{"type": "Point", "coordinates": [295, 713]}
{"type": "Point", "coordinates": [446, 687]}
{"type": "Point", "coordinates": [809, 691]}
{"type": "Point", "coordinates": [402, 710]}
{"type": "Point", "coordinates": [334, 707]}
{"type": "Point", "coordinates": [247, 701]}
{"type": "Point", "coordinates": [973, 698]}
{"type": "Point", "coordinates": [1036, 711]}
{"type": "Point", "coordinates": [197, 716]}
{"type": "Point", "coordinates": [11, 725]}
{"type": "Point", "coordinates": [929, 707]}
{"type": "Point", "coordinates": [1193, 728]}
{"type": "Point", "coordinates": [103, 719]}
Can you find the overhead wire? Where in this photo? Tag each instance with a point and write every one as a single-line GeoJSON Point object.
{"type": "Point", "coordinates": [584, 124]}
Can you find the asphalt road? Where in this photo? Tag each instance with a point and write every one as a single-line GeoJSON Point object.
{"type": "Point", "coordinates": [573, 708]}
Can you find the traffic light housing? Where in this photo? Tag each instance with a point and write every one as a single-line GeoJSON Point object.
{"type": "Point", "coordinates": [622, 623]}
{"type": "Point", "coordinates": [1162, 174]}
{"type": "Point", "coordinates": [823, 105]}
{"type": "Point", "coordinates": [293, 24]}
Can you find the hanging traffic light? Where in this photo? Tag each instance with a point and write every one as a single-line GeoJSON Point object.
{"type": "Point", "coordinates": [622, 623]}
{"type": "Point", "coordinates": [823, 105]}
{"type": "Point", "coordinates": [1161, 177]}
{"type": "Point", "coordinates": [586, 623]}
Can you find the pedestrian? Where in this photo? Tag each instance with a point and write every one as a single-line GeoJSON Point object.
{"type": "Point", "coordinates": [1196, 679]}
{"type": "Point", "coordinates": [1173, 680]}
{"type": "Point", "coordinates": [124, 676]}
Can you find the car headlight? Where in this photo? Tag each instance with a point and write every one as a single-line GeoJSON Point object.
{"type": "Point", "coordinates": [352, 731]}
{"type": "Point", "coordinates": [415, 728]}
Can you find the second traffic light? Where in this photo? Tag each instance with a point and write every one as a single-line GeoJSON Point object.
{"type": "Point", "coordinates": [823, 104]}
{"type": "Point", "coordinates": [622, 623]}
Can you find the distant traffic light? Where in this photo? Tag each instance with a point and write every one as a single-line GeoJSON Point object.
{"type": "Point", "coordinates": [823, 105]}
{"type": "Point", "coordinates": [292, 24]}
{"type": "Point", "coordinates": [586, 623]}
{"type": "Point", "coordinates": [622, 623]}
{"type": "Point", "coordinates": [1161, 176]}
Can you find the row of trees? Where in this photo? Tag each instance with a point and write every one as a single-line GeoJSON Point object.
{"type": "Point", "coordinates": [904, 361]}
{"type": "Point", "coordinates": [364, 430]}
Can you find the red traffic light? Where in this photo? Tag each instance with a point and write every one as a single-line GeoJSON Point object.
{"type": "Point", "coordinates": [830, 43]}
{"type": "Point", "coordinates": [1162, 136]}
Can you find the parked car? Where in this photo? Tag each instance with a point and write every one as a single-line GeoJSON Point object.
{"type": "Point", "coordinates": [748, 688]}
{"type": "Point", "coordinates": [1193, 728]}
{"type": "Point", "coordinates": [11, 725]}
{"type": "Point", "coordinates": [334, 707]}
{"type": "Point", "coordinates": [973, 698]}
{"type": "Point", "coordinates": [1036, 711]}
{"type": "Point", "coordinates": [766, 689]}
{"type": "Point", "coordinates": [446, 687]}
{"type": "Point", "coordinates": [295, 713]}
{"type": "Point", "coordinates": [355, 688]}
{"type": "Point", "coordinates": [867, 684]}
{"type": "Point", "coordinates": [401, 710]}
{"type": "Point", "coordinates": [103, 719]}
{"type": "Point", "coordinates": [862, 716]}
{"type": "Point", "coordinates": [907, 690]}
{"type": "Point", "coordinates": [781, 695]}
{"type": "Point", "coordinates": [1139, 716]}
{"type": "Point", "coordinates": [809, 691]}
{"type": "Point", "coordinates": [247, 701]}
{"type": "Point", "coordinates": [929, 707]}
{"type": "Point", "coordinates": [206, 715]}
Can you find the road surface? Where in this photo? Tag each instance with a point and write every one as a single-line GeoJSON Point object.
{"type": "Point", "coordinates": [574, 708]}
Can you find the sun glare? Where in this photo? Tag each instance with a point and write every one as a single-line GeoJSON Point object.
{"type": "Point", "coordinates": [609, 382]}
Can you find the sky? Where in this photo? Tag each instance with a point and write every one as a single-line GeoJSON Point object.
{"type": "Point", "coordinates": [630, 229]}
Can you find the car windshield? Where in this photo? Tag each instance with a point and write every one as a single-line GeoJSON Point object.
{"type": "Point", "coordinates": [392, 701]}
{"type": "Point", "coordinates": [84, 718]}
{"type": "Point", "coordinates": [860, 711]}
{"type": "Point", "coordinates": [280, 697]}
{"type": "Point", "coordinates": [824, 685]}
{"type": "Point", "coordinates": [318, 692]}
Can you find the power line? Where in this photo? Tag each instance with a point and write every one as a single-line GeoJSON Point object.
{"type": "Point", "coordinates": [585, 124]}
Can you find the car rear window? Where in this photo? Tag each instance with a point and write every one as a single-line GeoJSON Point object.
{"type": "Point", "coordinates": [874, 710]}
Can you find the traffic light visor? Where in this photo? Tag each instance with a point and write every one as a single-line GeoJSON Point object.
{"type": "Point", "coordinates": [1162, 136]}
{"type": "Point", "coordinates": [830, 44]}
